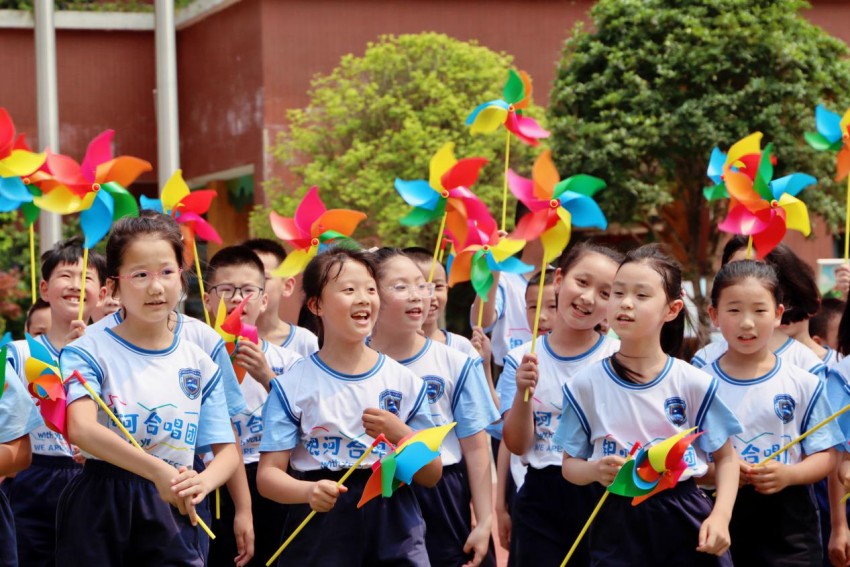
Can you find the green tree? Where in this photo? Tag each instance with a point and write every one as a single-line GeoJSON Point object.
{"type": "Point", "coordinates": [382, 116]}
{"type": "Point", "coordinates": [642, 98]}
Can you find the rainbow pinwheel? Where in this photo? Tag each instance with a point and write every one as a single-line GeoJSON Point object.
{"type": "Point", "coordinates": [185, 206]}
{"type": "Point", "coordinates": [833, 134]}
{"type": "Point", "coordinates": [763, 208]}
{"type": "Point", "coordinates": [555, 205]}
{"type": "Point", "coordinates": [16, 159]}
{"type": "Point", "coordinates": [507, 111]}
{"type": "Point", "coordinates": [231, 328]}
{"type": "Point", "coordinates": [111, 202]}
{"type": "Point", "coordinates": [45, 385]}
{"type": "Point", "coordinates": [312, 226]}
{"type": "Point", "coordinates": [13, 194]}
{"type": "Point", "coordinates": [743, 157]}
{"type": "Point", "coordinates": [398, 467]}
{"type": "Point", "coordinates": [654, 469]}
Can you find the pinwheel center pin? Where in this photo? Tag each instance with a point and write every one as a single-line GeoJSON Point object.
{"type": "Point", "coordinates": [26, 180]}
{"type": "Point", "coordinates": [95, 187]}
{"type": "Point", "coordinates": [511, 108]}
{"type": "Point", "coordinates": [774, 203]}
{"type": "Point", "coordinates": [486, 247]}
{"type": "Point", "coordinates": [554, 204]}
{"type": "Point", "coordinates": [314, 242]}
{"type": "Point", "coordinates": [444, 194]}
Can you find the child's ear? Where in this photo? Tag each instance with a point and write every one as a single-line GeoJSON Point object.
{"type": "Point", "coordinates": [780, 309]}
{"type": "Point", "coordinates": [264, 302]}
{"type": "Point", "coordinates": [712, 314]}
{"type": "Point", "coordinates": [674, 308]}
{"type": "Point", "coordinates": [111, 288]}
{"type": "Point", "coordinates": [314, 307]}
{"type": "Point", "coordinates": [287, 287]}
{"type": "Point", "coordinates": [819, 340]}
{"type": "Point", "coordinates": [101, 296]}
{"type": "Point", "coordinates": [42, 289]}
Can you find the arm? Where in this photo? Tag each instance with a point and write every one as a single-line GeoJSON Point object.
{"type": "Point", "coordinates": [481, 342]}
{"type": "Point", "coordinates": [714, 532]}
{"type": "Point", "coordinates": [839, 537]}
{"type": "Point", "coordinates": [518, 430]}
{"type": "Point", "coordinates": [503, 517]}
{"type": "Point", "coordinates": [774, 476]}
{"type": "Point", "coordinates": [583, 472]}
{"type": "Point", "coordinates": [250, 356]}
{"type": "Point", "coordinates": [377, 421]}
{"type": "Point", "coordinates": [15, 456]}
{"type": "Point", "coordinates": [274, 483]}
{"type": "Point", "coordinates": [243, 520]}
{"type": "Point", "coordinates": [476, 453]}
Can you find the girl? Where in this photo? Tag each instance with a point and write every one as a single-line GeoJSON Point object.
{"type": "Point", "coordinates": [547, 513]}
{"type": "Point", "coordinates": [168, 394]}
{"type": "Point", "coordinates": [457, 391]}
{"type": "Point", "coordinates": [642, 394]}
{"type": "Point", "coordinates": [775, 518]}
{"type": "Point", "coordinates": [315, 422]}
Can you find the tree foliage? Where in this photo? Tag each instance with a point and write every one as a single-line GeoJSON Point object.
{"type": "Point", "coordinates": [642, 98]}
{"type": "Point", "coordinates": [382, 116]}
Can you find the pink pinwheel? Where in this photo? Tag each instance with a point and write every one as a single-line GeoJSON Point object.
{"type": "Point", "coordinates": [312, 226]}
{"type": "Point", "coordinates": [231, 328]}
{"type": "Point", "coordinates": [507, 111]}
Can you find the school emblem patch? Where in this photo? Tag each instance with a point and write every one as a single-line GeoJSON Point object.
{"type": "Point", "coordinates": [390, 400]}
{"type": "Point", "coordinates": [435, 387]}
{"type": "Point", "coordinates": [676, 411]}
{"type": "Point", "coordinates": [190, 382]}
{"type": "Point", "coordinates": [784, 406]}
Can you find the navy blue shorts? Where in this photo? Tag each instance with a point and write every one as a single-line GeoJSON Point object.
{"type": "Point", "coordinates": [269, 519]}
{"type": "Point", "coordinates": [8, 551]}
{"type": "Point", "coordinates": [384, 532]}
{"type": "Point", "coordinates": [33, 496]}
{"type": "Point", "coordinates": [109, 516]}
{"type": "Point", "coordinates": [548, 513]}
{"type": "Point", "coordinates": [663, 530]}
{"type": "Point", "coordinates": [448, 517]}
{"type": "Point", "coordinates": [779, 529]}
{"type": "Point", "coordinates": [203, 511]}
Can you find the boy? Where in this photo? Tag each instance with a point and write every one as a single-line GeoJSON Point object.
{"type": "Point", "coordinates": [38, 318]}
{"type": "Point", "coordinates": [236, 274]}
{"type": "Point", "coordinates": [270, 325]}
{"type": "Point", "coordinates": [34, 493]}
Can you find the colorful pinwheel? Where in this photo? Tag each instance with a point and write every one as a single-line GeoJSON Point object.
{"type": "Point", "coordinates": [765, 209]}
{"type": "Point", "coordinates": [398, 467]}
{"type": "Point", "coordinates": [16, 159]}
{"type": "Point", "coordinates": [484, 255]}
{"type": "Point", "coordinates": [507, 111]}
{"type": "Point", "coordinates": [45, 385]}
{"type": "Point", "coordinates": [231, 328]}
{"type": "Point", "coordinates": [111, 202]}
{"type": "Point", "coordinates": [743, 157]}
{"type": "Point", "coordinates": [312, 226]}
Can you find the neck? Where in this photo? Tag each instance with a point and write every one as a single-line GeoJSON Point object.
{"type": "Point", "coordinates": [643, 357]}
{"type": "Point", "coordinates": [271, 327]}
{"type": "Point", "coordinates": [396, 345]}
{"type": "Point", "coordinates": [804, 337]}
{"type": "Point", "coordinates": [433, 332]}
{"type": "Point", "coordinates": [347, 357]}
{"type": "Point", "coordinates": [777, 340]}
{"type": "Point", "coordinates": [743, 366]}
{"type": "Point", "coordinates": [155, 335]}
{"type": "Point", "coordinates": [566, 341]}
{"type": "Point", "coordinates": [58, 332]}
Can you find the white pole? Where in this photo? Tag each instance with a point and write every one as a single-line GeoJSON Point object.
{"type": "Point", "coordinates": [167, 126]}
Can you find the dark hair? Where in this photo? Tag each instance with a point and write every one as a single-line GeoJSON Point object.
{"type": "Point", "coordinates": [829, 307]}
{"type": "Point", "coordinates": [266, 246]}
{"type": "Point", "coordinates": [580, 250]}
{"type": "Point", "coordinates": [325, 267]}
{"type": "Point", "coordinates": [736, 272]}
{"type": "Point", "coordinates": [383, 255]}
{"type": "Point", "coordinates": [37, 306]}
{"type": "Point", "coordinates": [673, 332]}
{"type": "Point", "coordinates": [70, 251]}
{"type": "Point", "coordinates": [232, 256]}
{"type": "Point", "coordinates": [129, 229]}
{"type": "Point", "coordinates": [796, 278]}
{"type": "Point", "coordinates": [419, 254]}
{"type": "Point", "coordinates": [548, 279]}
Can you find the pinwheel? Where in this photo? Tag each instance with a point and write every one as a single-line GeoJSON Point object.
{"type": "Point", "coordinates": [230, 328]}
{"type": "Point", "coordinates": [764, 209]}
{"type": "Point", "coordinates": [45, 385]}
{"type": "Point", "coordinates": [743, 156]}
{"type": "Point", "coordinates": [507, 111]}
{"type": "Point", "coordinates": [447, 195]}
{"type": "Point", "coordinates": [312, 226]}
{"type": "Point", "coordinates": [186, 207]}
{"type": "Point", "coordinates": [833, 134]}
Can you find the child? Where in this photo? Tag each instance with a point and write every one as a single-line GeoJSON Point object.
{"type": "Point", "coordinates": [18, 418]}
{"type": "Point", "coordinates": [38, 318]}
{"type": "Point", "coordinates": [167, 392]}
{"type": "Point", "coordinates": [642, 394]}
{"type": "Point", "coordinates": [775, 520]}
{"type": "Point", "coordinates": [457, 392]}
{"type": "Point", "coordinates": [272, 328]}
{"type": "Point", "coordinates": [233, 274]}
{"type": "Point", "coordinates": [34, 493]}
{"type": "Point", "coordinates": [315, 421]}
{"type": "Point", "coordinates": [824, 327]}
{"type": "Point", "coordinates": [549, 307]}
{"type": "Point", "coordinates": [548, 513]}
{"type": "Point", "coordinates": [107, 306]}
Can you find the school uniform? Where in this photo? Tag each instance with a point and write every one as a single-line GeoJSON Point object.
{"type": "Point", "coordinates": [172, 402]}
{"type": "Point", "coordinates": [548, 512]}
{"type": "Point", "coordinates": [18, 417]}
{"type": "Point", "coordinates": [301, 341]}
{"type": "Point", "coordinates": [268, 516]}
{"type": "Point", "coordinates": [831, 358]}
{"type": "Point", "coordinates": [316, 413]}
{"type": "Point", "coordinates": [791, 351]}
{"type": "Point", "coordinates": [461, 343]}
{"type": "Point", "coordinates": [457, 391]}
{"type": "Point", "coordinates": [511, 327]}
{"type": "Point", "coordinates": [778, 529]}
{"type": "Point", "coordinates": [605, 415]}
{"type": "Point", "coordinates": [34, 492]}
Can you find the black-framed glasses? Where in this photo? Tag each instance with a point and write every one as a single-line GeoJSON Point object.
{"type": "Point", "coordinates": [228, 291]}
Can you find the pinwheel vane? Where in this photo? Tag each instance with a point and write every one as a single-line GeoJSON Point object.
{"type": "Point", "coordinates": [508, 111]}
{"type": "Point", "coordinates": [833, 134]}
{"type": "Point", "coordinates": [312, 226]}
{"type": "Point", "coordinates": [231, 328]}
{"type": "Point", "coordinates": [45, 385]}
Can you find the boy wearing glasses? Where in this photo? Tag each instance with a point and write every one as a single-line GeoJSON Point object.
{"type": "Point", "coordinates": [236, 276]}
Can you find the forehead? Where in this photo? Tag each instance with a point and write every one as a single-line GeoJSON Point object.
{"type": "Point", "coordinates": [348, 271]}
{"type": "Point", "coordinates": [594, 264]}
{"type": "Point", "coordinates": [400, 267]}
{"type": "Point", "coordinates": [638, 273]}
{"type": "Point", "coordinates": [240, 273]}
{"type": "Point", "coordinates": [149, 251]}
{"type": "Point", "coordinates": [268, 259]}
{"type": "Point", "coordinates": [73, 266]}
{"type": "Point", "coordinates": [748, 290]}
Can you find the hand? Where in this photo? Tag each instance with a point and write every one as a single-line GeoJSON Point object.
{"type": "Point", "coordinates": [842, 278]}
{"type": "Point", "coordinates": [243, 529]}
{"type": "Point", "coordinates": [527, 375]}
{"type": "Point", "coordinates": [607, 469]}
{"type": "Point", "coordinates": [714, 535]}
{"type": "Point", "coordinates": [503, 523]}
{"type": "Point", "coordinates": [250, 357]}
{"type": "Point", "coordinates": [77, 455]}
{"type": "Point", "coordinates": [743, 477]}
{"type": "Point", "coordinates": [76, 330]}
{"type": "Point", "coordinates": [377, 421]}
{"type": "Point", "coordinates": [324, 495]}
{"type": "Point", "coordinates": [163, 480]}
{"type": "Point", "coordinates": [477, 543]}
{"type": "Point", "coordinates": [482, 344]}
{"type": "Point", "coordinates": [844, 474]}
{"type": "Point", "coordinates": [190, 485]}
{"type": "Point", "coordinates": [770, 478]}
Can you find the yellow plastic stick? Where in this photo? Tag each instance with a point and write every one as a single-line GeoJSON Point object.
{"type": "Point", "coordinates": [217, 503]}
{"type": "Point", "coordinates": [505, 188]}
{"type": "Point", "coordinates": [826, 421]}
{"type": "Point", "coordinates": [126, 433]}
{"type": "Point", "coordinates": [437, 247]}
{"type": "Point", "coordinates": [480, 311]}
{"type": "Point", "coordinates": [749, 248]}
{"type": "Point", "coordinates": [585, 528]}
{"type": "Point", "coordinates": [200, 279]}
{"type": "Point", "coordinates": [83, 282]}
{"type": "Point", "coordinates": [847, 225]}
{"type": "Point", "coordinates": [32, 262]}
{"type": "Point", "coordinates": [312, 513]}
{"type": "Point", "coordinates": [537, 315]}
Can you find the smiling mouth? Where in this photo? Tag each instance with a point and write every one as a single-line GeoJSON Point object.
{"type": "Point", "coordinates": [581, 310]}
{"type": "Point", "coordinates": [625, 318]}
{"type": "Point", "coordinates": [360, 316]}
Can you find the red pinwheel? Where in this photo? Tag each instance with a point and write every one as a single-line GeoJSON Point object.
{"type": "Point", "coordinates": [231, 328]}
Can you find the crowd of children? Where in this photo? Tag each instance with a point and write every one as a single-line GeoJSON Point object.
{"type": "Point", "coordinates": [252, 438]}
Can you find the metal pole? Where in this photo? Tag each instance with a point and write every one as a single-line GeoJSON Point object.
{"type": "Point", "coordinates": [167, 126]}
{"type": "Point", "coordinates": [47, 99]}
